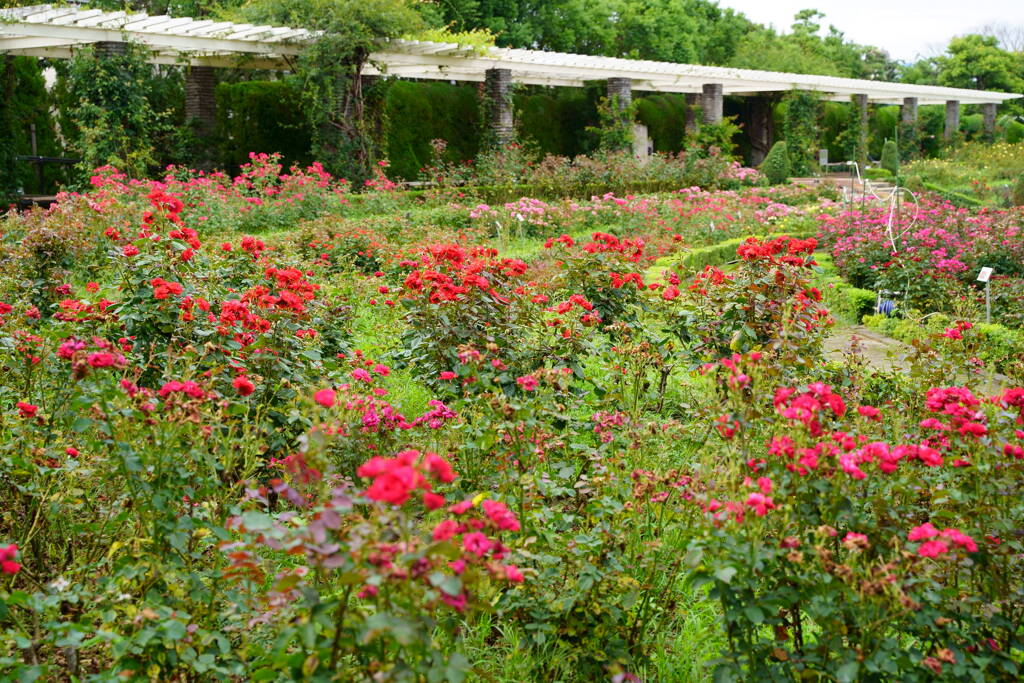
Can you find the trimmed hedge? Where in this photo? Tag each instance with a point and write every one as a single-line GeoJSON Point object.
{"type": "Point", "coordinates": [890, 157]}
{"type": "Point", "coordinates": [852, 303]}
{"type": "Point", "coordinates": [262, 116]}
{"type": "Point", "coordinates": [417, 113]}
{"type": "Point", "coordinates": [878, 174]}
{"type": "Point", "coordinates": [776, 166]}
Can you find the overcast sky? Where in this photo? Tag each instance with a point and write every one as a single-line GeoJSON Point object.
{"type": "Point", "coordinates": [905, 28]}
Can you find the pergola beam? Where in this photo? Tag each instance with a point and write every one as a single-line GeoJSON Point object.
{"type": "Point", "coordinates": [53, 31]}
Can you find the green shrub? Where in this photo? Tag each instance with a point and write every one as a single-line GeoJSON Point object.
{"type": "Point", "coordinates": [1017, 195]}
{"type": "Point", "coordinates": [891, 157]}
{"type": "Point", "coordinates": [776, 165]}
{"type": "Point", "coordinates": [845, 300]}
{"type": "Point", "coordinates": [877, 174]}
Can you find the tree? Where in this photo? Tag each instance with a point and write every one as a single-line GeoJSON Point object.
{"type": "Point", "coordinates": [331, 69]}
{"type": "Point", "coordinates": [975, 61]}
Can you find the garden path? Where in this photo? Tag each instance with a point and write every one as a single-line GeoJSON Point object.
{"type": "Point", "coordinates": [874, 346]}
{"type": "Point", "coordinates": [881, 352]}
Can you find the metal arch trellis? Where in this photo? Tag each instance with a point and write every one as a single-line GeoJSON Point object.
{"type": "Point", "coordinates": [892, 224]}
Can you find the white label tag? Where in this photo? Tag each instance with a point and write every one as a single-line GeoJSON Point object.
{"type": "Point", "coordinates": [984, 275]}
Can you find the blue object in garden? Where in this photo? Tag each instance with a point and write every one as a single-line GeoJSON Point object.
{"type": "Point", "coordinates": [887, 307]}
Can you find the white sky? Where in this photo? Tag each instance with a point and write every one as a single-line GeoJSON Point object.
{"type": "Point", "coordinates": [905, 28]}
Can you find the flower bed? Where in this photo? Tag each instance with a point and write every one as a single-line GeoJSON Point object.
{"type": "Point", "coordinates": [374, 446]}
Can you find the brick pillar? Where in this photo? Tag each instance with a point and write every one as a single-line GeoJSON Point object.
{"type": "Point", "coordinates": [988, 116]}
{"type": "Point", "coordinates": [692, 105]}
{"type": "Point", "coordinates": [620, 92]}
{"type": "Point", "coordinates": [711, 102]}
{"type": "Point", "coordinates": [861, 103]}
{"type": "Point", "coordinates": [952, 119]}
{"type": "Point", "coordinates": [200, 104]}
{"type": "Point", "coordinates": [498, 90]}
{"type": "Point", "coordinates": [109, 48]}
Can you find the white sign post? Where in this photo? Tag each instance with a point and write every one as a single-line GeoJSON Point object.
{"type": "Point", "coordinates": [984, 276]}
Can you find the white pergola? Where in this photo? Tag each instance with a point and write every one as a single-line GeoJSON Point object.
{"type": "Point", "coordinates": [54, 31]}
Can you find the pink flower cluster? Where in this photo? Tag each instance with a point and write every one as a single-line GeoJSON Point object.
{"type": "Point", "coordinates": [937, 543]}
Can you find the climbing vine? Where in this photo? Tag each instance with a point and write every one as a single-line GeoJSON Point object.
{"type": "Point", "coordinates": [331, 70]}
{"type": "Point", "coordinates": [800, 130]}
{"type": "Point", "coordinates": [714, 139]}
{"type": "Point", "coordinates": [109, 117]}
{"type": "Point", "coordinates": [615, 125]}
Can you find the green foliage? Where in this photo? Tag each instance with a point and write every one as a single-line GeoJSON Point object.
{"type": "Point", "coordinates": [27, 103]}
{"type": "Point", "coordinates": [665, 118]}
{"type": "Point", "coordinates": [330, 70]}
{"type": "Point", "coordinates": [417, 113]}
{"type": "Point", "coordinates": [715, 139]}
{"type": "Point", "coordinates": [110, 116]}
{"type": "Point", "coordinates": [800, 130]}
{"type": "Point", "coordinates": [776, 164]}
{"type": "Point", "coordinates": [262, 116]}
{"type": "Point", "coordinates": [614, 131]}
{"type": "Point", "coordinates": [701, 31]}
{"type": "Point", "coordinates": [976, 61]}
{"type": "Point", "coordinates": [891, 157]}
{"type": "Point", "coordinates": [1017, 196]}
{"type": "Point", "coordinates": [999, 346]}
{"type": "Point", "coordinates": [878, 174]}
{"type": "Point", "coordinates": [8, 127]}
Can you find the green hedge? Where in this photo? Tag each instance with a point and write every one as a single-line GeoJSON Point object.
{"type": "Point", "coordinates": [262, 116]}
{"type": "Point", "coordinates": [665, 118]}
{"type": "Point", "coordinates": [878, 174]}
{"type": "Point", "coordinates": [417, 113]}
{"type": "Point", "coordinates": [953, 197]}
{"type": "Point", "coordinates": [842, 298]}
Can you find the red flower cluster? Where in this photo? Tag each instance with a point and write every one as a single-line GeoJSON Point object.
{"type": "Point", "coordinates": [779, 250]}
{"type": "Point", "coordinates": [162, 288]}
{"type": "Point", "coordinates": [189, 388]}
{"type": "Point", "coordinates": [806, 407]}
{"type": "Point", "coordinates": [394, 479]}
{"type": "Point", "coordinates": [7, 563]}
{"type": "Point", "coordinates": [603, 242]}
{"type": "Point", "coordinates": [27, 410]}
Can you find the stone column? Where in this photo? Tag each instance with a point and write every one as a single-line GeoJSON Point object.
{"type": "Point", "coordinates": [860, 101]}
{"type": "Point", "coordinates": [200, 103]}
{"type": "Point", "coordinates": [909, 148]}
{"type": "Point", "coordinates": [498, 90]}
{"type": "Point", "coordinates": [620, 93]}
{"type": "Point", "coordinates": [692, 105]}
{"type": "Point", "coordinates": [711, 102]}
{"type": "Point", "coordinates": [988, 117]}
{"type": "Point", "coordinates": [952, 119]}
{"type": "Point", "coordinates": [908, 112]}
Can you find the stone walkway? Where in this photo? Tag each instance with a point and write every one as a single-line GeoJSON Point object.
{"type": "Point", "coordinates": [885, 353]}
{"type": "Point", "coordinates": [874, 346]}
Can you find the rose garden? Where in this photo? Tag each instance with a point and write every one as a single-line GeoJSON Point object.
{"type": "Point", "coordinates": [533, 418]}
